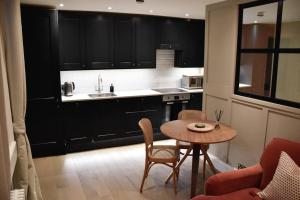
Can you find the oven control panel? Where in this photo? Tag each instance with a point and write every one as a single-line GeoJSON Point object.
{"type": "Point", "coordinates": [176, 97]}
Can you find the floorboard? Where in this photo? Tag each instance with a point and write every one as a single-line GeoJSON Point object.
{"type": "Point", "coordinates": [110, 174]}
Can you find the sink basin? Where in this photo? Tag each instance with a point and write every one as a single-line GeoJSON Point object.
{"type": "Point", "coordinates": [99, 95]}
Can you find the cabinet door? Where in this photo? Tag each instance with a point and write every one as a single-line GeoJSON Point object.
{"type": "Point", "coordinates": [170, 32]}
{"type": "Point", "coordinates": [124, 42]}
{"type": "Point", "coordinates": [99, 41]}
{"type": "Point", "coordinates": [192, 54]}
{"type": "Point", "coordinates": [195, 101]}
{"type": "Point", "coordinates": [40, 32]}
{"type": "Point", "coordinates": [145, 42]}
{"type": "Point", "coordinates": [77, 121]}
{"type": "Point", "coordinates": [107, 120]}
{"type": "Point", "coordinates": [43, 127]}
{"type": "Point", "coordinates": [71, 40]}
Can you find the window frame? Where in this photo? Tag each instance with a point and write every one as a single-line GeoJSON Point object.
{"type": "Point", "coordinates": [276, 51]}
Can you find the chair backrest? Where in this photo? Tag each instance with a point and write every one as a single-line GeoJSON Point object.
{"type": "Point", "coordinates": [270, 157]}
{"type": "Point", "coordinates": [146, 126]}
{"type": "Point", "coordinates": [192, 114]}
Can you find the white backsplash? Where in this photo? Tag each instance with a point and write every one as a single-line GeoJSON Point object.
{"type": "Point", "coordinates": [164, 75]}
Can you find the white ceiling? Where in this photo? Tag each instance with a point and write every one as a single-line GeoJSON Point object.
{"type": "Point", "coordinates": [291, 13]}
{"type": "Point", "coordinates": [172, 8]}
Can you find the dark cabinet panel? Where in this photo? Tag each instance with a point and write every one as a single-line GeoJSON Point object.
{"type": "Point", "coordinates": [40, 34]}
{"type": "Point", "coordinates": [107, 121]}
{"type": "Point", "coordinates": [138, 108]}
{"type": "Point", "coordinates": [71, 40]}
{"type": "Point", "coordinates": [170, 33]}
{"type": "Point", "coordinates": [195, 101]}
{"type": "Point", "coordinates": [99, 41]}
{"type": "Point", "coordinates": [192, 52]}
{"type": "Point", "coordinates": [124, 42]}
{"type": "Point", "coordinates": [145, 42]}
{"type": "Point", "coordinates": [77, 123]}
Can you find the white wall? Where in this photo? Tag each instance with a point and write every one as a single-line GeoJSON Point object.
{"type": "Point", "coordinates": [256, 122]}
{"type": "Point", "coordinates": [164, 75]}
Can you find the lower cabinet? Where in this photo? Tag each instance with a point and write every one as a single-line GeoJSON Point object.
{"type": "Point", "coordinates": [195, 101]}
{"type": "Point", "coordinates": [43, 127]}
{"type": "Point", "coordinates": [106, 123]}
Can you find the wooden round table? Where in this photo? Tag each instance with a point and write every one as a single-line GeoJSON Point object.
{"type": "Point", "coordinates": [177, 129]}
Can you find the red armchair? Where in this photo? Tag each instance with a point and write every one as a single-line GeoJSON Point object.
{"type": "Point", "coordinates": [243, 184]}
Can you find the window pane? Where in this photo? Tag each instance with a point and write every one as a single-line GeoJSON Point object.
{"type": "Point", "coordinates": [255, 73]}
{"type": "Point", "coordinates": [290, 27]}
{"type": "Point", "coordinates": [288, 78]}
{"type": "Point", "coordinates": [259, 25]}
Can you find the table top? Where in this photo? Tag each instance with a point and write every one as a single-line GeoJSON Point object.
{"type": "Point", "coordinates": [177, 129]}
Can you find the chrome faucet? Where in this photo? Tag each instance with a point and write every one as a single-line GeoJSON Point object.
{"type": "Point", "coordinates": [100, 85]}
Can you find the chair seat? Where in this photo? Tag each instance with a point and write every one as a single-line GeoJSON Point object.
{"type": "Point", "coordinates": [164, 153]}
{"type": "Point", "coordinates": [184, 145]}
{"type": "Point", "coordinates": [245, 194]}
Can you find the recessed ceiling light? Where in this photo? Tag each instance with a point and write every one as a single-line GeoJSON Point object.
{"type": "Point", "coordinates": [109, 7]}
{"type": "Point", "coordinates": [61, 5]}
{"type": "Point", "coordinates": [150, 11]}
{"type": "Point", "coordinates": [187, 14]}
{"type": "Point", "coordinates": [255, 22]}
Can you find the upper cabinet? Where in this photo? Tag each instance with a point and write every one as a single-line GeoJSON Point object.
{"type": "Point", "coordinates": [146, 39]}
{"type": "Point", "coordinates": [124, 42]}
{"type": "Point", "coordinates": [99, 41]}
{"type": "Point", "coordinates": [71, 43]}
{"type": "Point", "coordinates": [191, 53]}
{"type": "Point", "coordinates": [95, 40]}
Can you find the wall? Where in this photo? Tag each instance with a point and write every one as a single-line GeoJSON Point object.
{"type": "Point", "coordinates": [256, 122]}
{"type": "Point", "coordinates": [164, 75]}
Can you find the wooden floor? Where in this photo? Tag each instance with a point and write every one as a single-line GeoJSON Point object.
{"type": "Point", "coordinates": [109, 174]}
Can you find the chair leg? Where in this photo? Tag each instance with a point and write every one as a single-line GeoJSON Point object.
{"type": "Point", "coordinates": [174, 177]}
{"type": "Point", "coordinates": [179, 164]}
{"type": "Point", "coordinates": [204, 167]}
{"type": "Point", "coordinates": [146, 171]}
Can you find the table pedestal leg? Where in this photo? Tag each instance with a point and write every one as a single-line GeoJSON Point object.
{"type": "Point", "coordinates": [204, 151]}
{"type": "Point", "coordinates": [195, 166]}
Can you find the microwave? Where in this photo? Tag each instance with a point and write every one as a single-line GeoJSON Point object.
{"type": "Point", "coordinates": [192, 82]}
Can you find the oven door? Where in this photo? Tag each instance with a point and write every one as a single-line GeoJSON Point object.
{"type": "Point", "coordinates": [172, 108]}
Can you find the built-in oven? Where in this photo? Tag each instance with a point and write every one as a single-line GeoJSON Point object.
{"type": "Point", "coordinates": [173, 104]}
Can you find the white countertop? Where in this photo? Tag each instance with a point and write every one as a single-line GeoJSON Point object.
{"type": "Point", "coordinates": [121, 94]}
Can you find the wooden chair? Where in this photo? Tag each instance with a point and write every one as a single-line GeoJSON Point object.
{"type": "Point", "coordinates": [157, 154]}
{"type": "Point", "coordinates": [196, 115]}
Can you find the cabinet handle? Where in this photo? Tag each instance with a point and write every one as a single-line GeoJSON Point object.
{"type": "Point", "coordinates": [133, 64]}
{"type": "Point", "coordinates": [170, 103]}
{"type": "Point", "coordinates": [138, 64]}
{"type": "Point", "coordinates": [170, 46]}
{"type": "Point", "coordinates": [112, 65]}
{"type": "Point", "coordinates": [83, 65]}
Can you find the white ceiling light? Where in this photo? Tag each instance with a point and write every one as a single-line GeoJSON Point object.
{"type": "Point", "coordinates": [187, 14]}
{"type": "Point", "coordinates": [150, 11]}
{"type": "Point", "coordinates": [255, 22]}
{"type": "Point", "coordinates": [61, 5]}
{"type": "Point", "coordinates": [109, 7]}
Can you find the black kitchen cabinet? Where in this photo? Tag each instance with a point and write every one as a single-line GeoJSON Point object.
{"type": "Point", "coordinates": [71, 41]}
{"type": "Point", "coordinates": [195, 102]}
{"type": "Point", "coordinates": [146, 36]}
{"type": "Point", "coordinates": [99, 41]}
{"type": "Point", "coordinates": [170, 35]}
{"type": "Point", "coordinates": [192, 42]}
{"type": "Point", "coordinates": [135, 109]}
{"type": "Point", "coordinates": [124, 50]}
{"type": "Point", "coordinates": [40, 39]}
{"type": "Point", "coordinates": [107, 121]}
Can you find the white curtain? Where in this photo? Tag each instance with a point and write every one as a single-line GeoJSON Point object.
{"type": "Point", "coordinates": [25, 173]}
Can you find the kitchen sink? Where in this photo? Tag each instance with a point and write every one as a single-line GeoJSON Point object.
{"type": "Point", "coordinates": [99, 95]}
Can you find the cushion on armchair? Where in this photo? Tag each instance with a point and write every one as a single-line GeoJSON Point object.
{"type": "Point", "coordinates": [285, 183]}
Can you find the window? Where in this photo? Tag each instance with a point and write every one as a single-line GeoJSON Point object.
{"type": "Point", "coordinates": [268, 52]}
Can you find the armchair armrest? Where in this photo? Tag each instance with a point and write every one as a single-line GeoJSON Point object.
{"type": "Point", "coordinates": [227, 182]}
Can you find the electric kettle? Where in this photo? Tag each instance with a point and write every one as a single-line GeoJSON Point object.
{"type": "Point", "coordinates": [68, 88]}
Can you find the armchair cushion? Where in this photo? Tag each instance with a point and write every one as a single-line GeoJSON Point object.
{"type": "Point", "coordinates": [270, 157]}
{"type": "Point", "coordinates": [227, 182]}
{"type": "Point", "coordinates": [244, 194]}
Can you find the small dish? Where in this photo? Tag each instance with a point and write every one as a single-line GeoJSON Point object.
{"type": "Point", "coordinates": [200, 127]}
